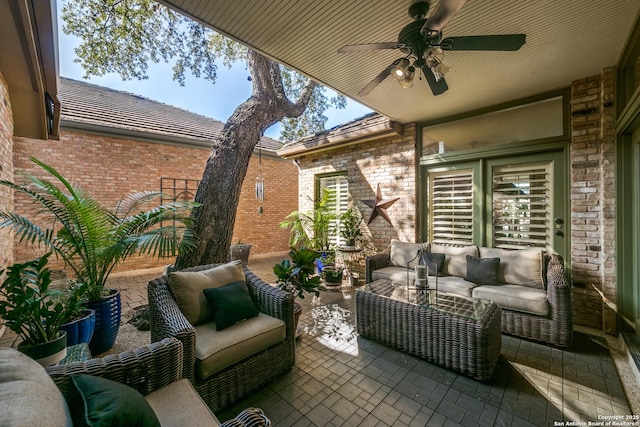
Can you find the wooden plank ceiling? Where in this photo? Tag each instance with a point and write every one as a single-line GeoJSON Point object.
{"type": "Point", "coordinates": [566, 41]}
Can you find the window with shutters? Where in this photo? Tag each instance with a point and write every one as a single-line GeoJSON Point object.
{"type": "Point", "coordinates": [521, 206]}
{"type": "Point", "coordinates": [338, 187]}
{"type": "Point", "coordinates": [451, 196]}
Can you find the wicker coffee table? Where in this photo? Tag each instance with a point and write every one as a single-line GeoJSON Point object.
{"type": "Point", "coordinates": [458, 333]}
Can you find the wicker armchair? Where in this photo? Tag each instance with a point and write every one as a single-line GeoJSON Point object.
{"type": "Point", "coordinates": [155, 369]}
{"type": "Point", "coordinates": [235, 382]}
{"type": "Point", "coordinates": [555, 329]}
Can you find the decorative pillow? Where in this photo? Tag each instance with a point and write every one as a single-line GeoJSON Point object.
{"type": "Point", "coordinates": [231, 304]}
{"type": "Point", "coordinates": [455, 262]}
{"type": "Point", "coordinates": [518, 267]}
{"type": "Point", "coordinates": [187, 287]}
{"type": "Point", "coordinates": [96, 401]}
{"type": "Point", "coordinates": [28, 395]}
{"type": "Point", "coordinates": [404, 252]}
{"type": "Point", "coordinates": [482, 271]}
{"type": "Point", "coordinates": [435, 263]}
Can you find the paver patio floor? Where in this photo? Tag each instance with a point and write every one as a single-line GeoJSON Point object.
{"type": "Point", "coordinates": [341, 379]}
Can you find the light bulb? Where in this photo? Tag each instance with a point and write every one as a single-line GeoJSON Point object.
{"type": "Point", "coordinates": [407, 82]}
{"type": "Point", "coordinates": [399, 70]}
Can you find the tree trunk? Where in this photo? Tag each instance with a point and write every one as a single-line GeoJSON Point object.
{"type": "Point", "coordinates": [226, 168]}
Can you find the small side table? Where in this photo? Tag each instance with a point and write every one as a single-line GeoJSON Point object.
{"type": "Point", "coordinates": [351, 255]}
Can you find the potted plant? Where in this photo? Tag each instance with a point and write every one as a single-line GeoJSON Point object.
{"type": "Point", "coordinates": [311, 229]}
{"type": "Point", "coordinates": [350, 226]}
{"type": "Point", "coordinates": [34, 311]}
{"type": "Point", "coordinates": [332, 274]}
{"type": "Point", "coordinates": [92, 240]}
{"type": "Point", "coordinates": [297, 275]}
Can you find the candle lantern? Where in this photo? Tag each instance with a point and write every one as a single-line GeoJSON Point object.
{"type": "Point", "coordinates": [421, 273]}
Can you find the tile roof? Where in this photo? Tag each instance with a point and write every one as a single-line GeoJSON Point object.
{"type": "Point", "coordinates": [92, 107]}
{"type": "Point", "coordinates": [371, 126]}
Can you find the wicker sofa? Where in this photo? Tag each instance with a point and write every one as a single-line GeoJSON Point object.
{"type": "Point", "coordinates": [33, 396]}
{"type": "Point", "coordinates": [532, 288]}
{"type": "Point", "coordinates": [223, 385]}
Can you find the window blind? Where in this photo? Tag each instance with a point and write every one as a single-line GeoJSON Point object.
{"type": "Point", "coordinates": [521, 208]}
{"type": "Point", "coordinates": [451, 196]}
{"type": "Point", "coordinates": [339, 186]}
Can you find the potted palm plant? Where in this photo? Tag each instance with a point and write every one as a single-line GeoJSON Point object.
{"type": "Point", "coordinates": [311, 229]}
{"type": "Point", "coordinates": [92, 240]}
{"type": "Point", "coordinates": [297, 275]}
{"type": "Point", "coordinates": [34, 311]}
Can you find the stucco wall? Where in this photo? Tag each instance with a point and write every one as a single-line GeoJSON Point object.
{"type": "Point", "coordinates": [6, 169]}
{"type": "Point", "coordinates": [109, 168]}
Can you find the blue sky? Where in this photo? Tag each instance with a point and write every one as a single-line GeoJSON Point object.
{"type": "Point", "coordinates": [197, 95]}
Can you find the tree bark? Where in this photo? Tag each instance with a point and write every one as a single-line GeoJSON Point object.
{"type": "Point", "coordinates": [226, 167]}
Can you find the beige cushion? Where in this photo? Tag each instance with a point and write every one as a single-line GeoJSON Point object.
{"type": "Point", "coordinates": [178, 404]}
{"type": "Point", "coordinates": [453, 285]}
{"type": "Point", "coordinates": [28, 395]}
{"type": "Point", "coordinates": [515, 297]}
{"type": "Point", "coordinates": [403, 253]}
{"type": "Point", "coordinates": [455, 262]}
{"type": "Point", "coordinates": [187, 287]}
{"type": "Point", "coordinates": [518, 267]}
{"type": "Point", "coordinates": [215, 350]}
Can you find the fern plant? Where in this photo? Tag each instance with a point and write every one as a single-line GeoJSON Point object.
{"type": "Point", "coordinates": [91, 239]}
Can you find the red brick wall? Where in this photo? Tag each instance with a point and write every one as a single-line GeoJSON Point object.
{"type": "Point", "coordinates": [6, 169]}
{"type": "Point", "coordinates": [109, 168]}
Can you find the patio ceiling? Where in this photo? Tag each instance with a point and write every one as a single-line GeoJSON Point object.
{"type": "Point", "coordinates": [566, 41]}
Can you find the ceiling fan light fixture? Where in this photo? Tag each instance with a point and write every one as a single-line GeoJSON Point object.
{"type": "Point", "coordinates": [407, 82]}
{"type": "Point", "coordinates": [400, 69]}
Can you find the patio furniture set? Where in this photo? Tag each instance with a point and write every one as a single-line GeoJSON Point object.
{"type": "Point", "coordinates": [473, 295]}
{"type": "Point", "coordinates": [203, 358]}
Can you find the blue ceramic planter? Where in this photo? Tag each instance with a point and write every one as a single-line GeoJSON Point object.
{"type": "Point", "coordinates": [81, 330]}
{"type": "Point", "coordinates": [108, 311]}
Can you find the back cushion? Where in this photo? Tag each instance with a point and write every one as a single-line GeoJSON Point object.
{"type": "Point", "coordinates": [187, 288]}
{"type": "Point", "coordinates": [518, 267]}
{"type": "Point", "coordinates": [455, 262]}
{"type": "Point", "coordinates": [403, 253]}
{"type": "Point", "coordinates": [28, 395]}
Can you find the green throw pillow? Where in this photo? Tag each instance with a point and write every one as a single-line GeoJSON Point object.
{"type": "Point", "coordinates": [96, 401]}
{"type": "Point", "coordinates": [435, 262]}
{"type": "Point", "coordinates": [230, 304]}
{"type": "Point", "coordinates": [482, 271]}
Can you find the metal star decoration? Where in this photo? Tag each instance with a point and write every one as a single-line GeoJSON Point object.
{"type": "Point", "coordinates": [379, 206]}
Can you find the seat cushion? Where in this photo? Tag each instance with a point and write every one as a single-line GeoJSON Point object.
{"type": "Point", "coordinates": [215, 350]}
{"type": "Point", "coordinates": [453, 285]}
{"type": "Point", "coordinates": [518, 267]}
{"type": "Point", "coordinates": [395, 274]}
{"type": "Point", "coordinates": [187, 287]}
{"type": "Point", "coordinates": [178, 404]}
{"type": "Point", "coordinates": [455, 263]}
{"type": "Point", "coordinates": [28, 395]}
{"type": "Point", "coordinates": [515, 297]}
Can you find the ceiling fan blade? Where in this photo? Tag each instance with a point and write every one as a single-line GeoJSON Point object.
{"type": "Point", "coordinates": [379, 78]}
{"type": "Point", "coordinates": [440, 17]}
{"type": "Point", "coordinates": [368, 46]}
{"type": "Point", "coordinates": [505, 42]}
{"type": "Point", "coordinates": [437, 87]}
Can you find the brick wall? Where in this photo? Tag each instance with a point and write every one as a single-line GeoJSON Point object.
{"type": "Point", "coordinates": [592, 162]}
{"type": "Point", "coordinates": [388, 162]}
{"type": "Point", "coordinates": [109, 168]}
{"type": "Point", "coordinates": [6, 169]}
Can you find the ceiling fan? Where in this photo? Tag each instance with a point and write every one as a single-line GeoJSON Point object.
{"type": "Point", "coordinates": [423, 46]}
